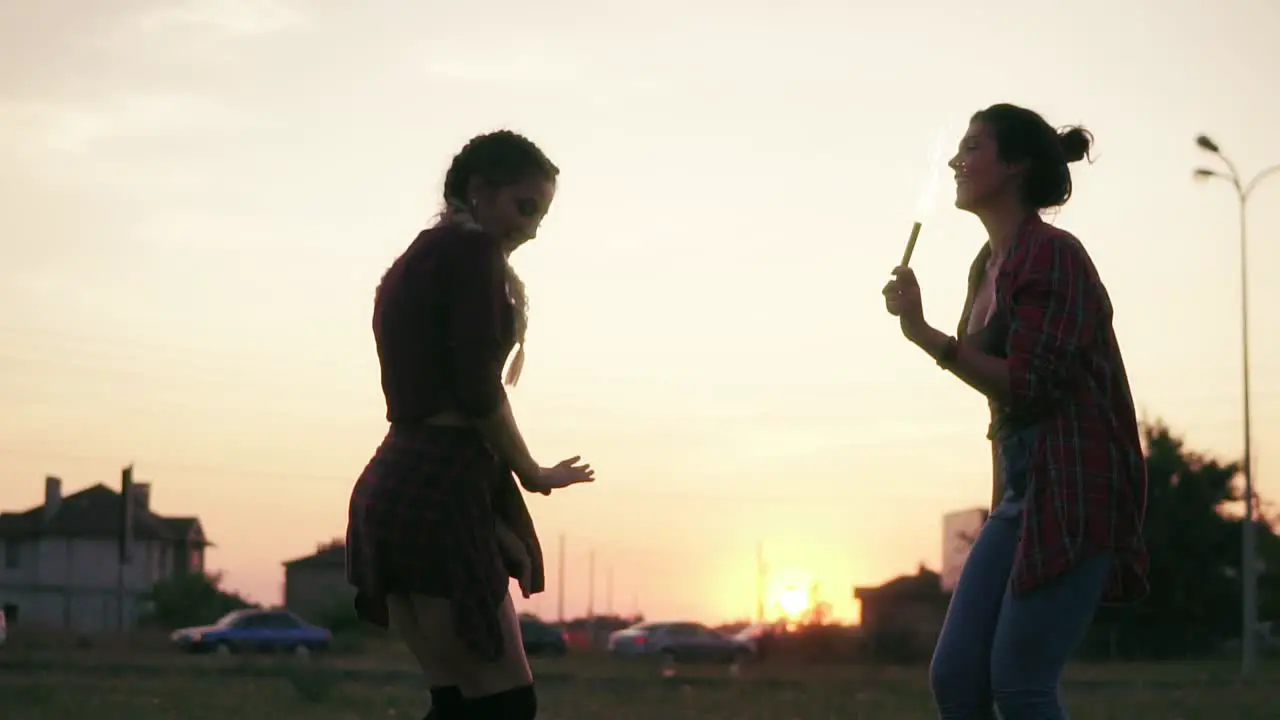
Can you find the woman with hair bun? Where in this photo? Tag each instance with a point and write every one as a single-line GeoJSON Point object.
{"type": "Point", "coordinates": [1070, 490]}
{"type": "Point", "coordinates": [437, 524]}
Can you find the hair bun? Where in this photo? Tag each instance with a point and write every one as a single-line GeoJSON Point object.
{"type": "Point", "coordinates": [1075, 142]}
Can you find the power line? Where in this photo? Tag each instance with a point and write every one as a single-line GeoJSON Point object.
{"type": "Point", "coordinates": [184, 376]}
{"type": "Point", "coordinates": [72, 346]}
{"type": "Point", "coordinates": [79, 338]}
{"type": "Point", "coordinates": [345, 480]}
{"type": "Point", "coordinates": [560, 584]}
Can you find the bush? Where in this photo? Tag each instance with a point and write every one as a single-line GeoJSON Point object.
{"type": "Point", "coordinates": [190, 600]}
{"type": "Point", "coordinates": [342, 620]}
{"type": "Point", "coordinates": [898, 647]}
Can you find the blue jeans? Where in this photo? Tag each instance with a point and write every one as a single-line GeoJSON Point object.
{"type": "Point", "coordinates": [998, 651]}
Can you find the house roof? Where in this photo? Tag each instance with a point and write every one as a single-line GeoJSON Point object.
{"type": "Point", "coordinates": [924, 584]}
{"type": "Point", "coordinates": [95, 512]}
{"type": "Point", "coordinates": [329, 555]}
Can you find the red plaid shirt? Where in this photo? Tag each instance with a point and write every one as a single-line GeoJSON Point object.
{"type": "Point", "coordinates": [1087, 482]}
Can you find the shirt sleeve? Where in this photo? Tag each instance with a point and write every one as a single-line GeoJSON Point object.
{"type": "Point", "coordinates": [476, 303]}
{"type": "Point", "coordinates": [1056, 304]}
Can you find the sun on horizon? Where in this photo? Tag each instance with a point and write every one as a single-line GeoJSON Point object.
{"type": "Point", "coordinates": [794, 602]}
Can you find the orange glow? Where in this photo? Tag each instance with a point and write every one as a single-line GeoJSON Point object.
{"type": "Point", "coordinates": [794, 602]}
{"type": "Point", "coordinates": [722, 356]}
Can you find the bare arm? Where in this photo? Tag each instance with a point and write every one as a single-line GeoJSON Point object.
{"type": "Point", "coordinates": [984, 373]}
{"type": "Point", "coordinates": [503, 435]}
{"type": "Point", "coordinates": [1056, 305]}
{"type": "Point", "coordinates": [1055, 309]}
{"type": "Point", "coordinates": [477, 303]}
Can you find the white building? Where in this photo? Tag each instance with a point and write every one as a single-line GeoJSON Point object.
{"type": "Point", "coordinates": [60, 568]}
{"type": "Point", "coordinates": [959, 529]}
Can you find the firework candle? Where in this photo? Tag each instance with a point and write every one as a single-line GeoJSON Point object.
{"type": "Point", "coordinates": [927, 199]}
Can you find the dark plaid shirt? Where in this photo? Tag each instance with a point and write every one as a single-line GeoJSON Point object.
{"type": "Point", "coordinates": [1087, 481]}
{"type": "Point", "coordinates": [444, 326]}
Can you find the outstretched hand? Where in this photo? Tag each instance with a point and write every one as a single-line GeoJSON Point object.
{"type": "Point", "coordinates": [561, 475]}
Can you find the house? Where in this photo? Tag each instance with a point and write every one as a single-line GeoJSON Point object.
{"type": "Point", "coordinates": [902, 618]}
{"type": "Point", "coordinates": [959, 530]}
{"type": "Point", "coordinates": [61, 568]}
{"type": "Point", "coordinates": [315, 586]}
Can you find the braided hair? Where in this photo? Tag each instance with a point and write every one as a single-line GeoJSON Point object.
{"type": "Point", "coordinates": [498, 158]}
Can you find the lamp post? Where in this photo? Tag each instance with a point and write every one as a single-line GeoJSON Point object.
{"type": "Point", "coordinates": [1249, 541]}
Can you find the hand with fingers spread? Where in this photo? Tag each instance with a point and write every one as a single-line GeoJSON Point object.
{"type": "Point", "coordinates": [561, 475]}
{"type": "Point", "coordinates": [902, 299]}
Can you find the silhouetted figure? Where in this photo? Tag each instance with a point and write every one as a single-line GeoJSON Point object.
{"type": "Point", "coordinates": [437, 523]}
{"type": "Point", "coordinates": [1036, 338]}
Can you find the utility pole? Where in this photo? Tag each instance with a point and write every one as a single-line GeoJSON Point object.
{"type": "Point", "coordinates": [760, 581]}
{"type": "Point", "coordinates": [1249, 628]}
{"type": "Point", "coordinates": [591, 597]}
{"type": "Point", "coordinates": [126, 543]}
{"type": "Point", "coordinates": [560, 585]}
{"type": "Point", "coordinates": [591, 584]}
{"type": "Point", "coordinates": [608, 593]}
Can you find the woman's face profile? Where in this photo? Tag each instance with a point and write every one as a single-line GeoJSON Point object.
{"type": "Point", "coordinates": [514, 212]}
{"type": "Point", "coordinates": [981, 176]}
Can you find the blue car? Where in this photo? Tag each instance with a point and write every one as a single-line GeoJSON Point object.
{"type": "Point", "coordinates": [255, 631]}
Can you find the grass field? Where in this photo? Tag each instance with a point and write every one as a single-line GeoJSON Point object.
{"type": "Point", "coordinates": [169, 687]}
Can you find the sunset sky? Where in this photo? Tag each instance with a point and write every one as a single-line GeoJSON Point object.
{"type": "Point", "coordinates": [197, 200]}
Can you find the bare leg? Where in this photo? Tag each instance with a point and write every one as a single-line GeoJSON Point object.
{"type": "Point", "coordinates": [432, 657]}
{"type": "Point", "coordinates": [449, 657]}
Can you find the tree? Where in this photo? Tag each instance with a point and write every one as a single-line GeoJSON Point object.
{"type": "Point", "coordinates": [819, 611]}
{"type": "Point", "coordinates": [1192, 531]}
{"type": "Point", "coordinates": [190, 600]}
{"type": "Point", "coordinates": [1193, 537]}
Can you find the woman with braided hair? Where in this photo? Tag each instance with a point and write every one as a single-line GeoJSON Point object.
{"type": "Point", "coordinates": [437, 525]}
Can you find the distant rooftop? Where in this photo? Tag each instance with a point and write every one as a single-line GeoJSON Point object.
{"type": "Point", "coordinates": [332, 554]}
{"type": "Point", "coordinates": [95, 512]}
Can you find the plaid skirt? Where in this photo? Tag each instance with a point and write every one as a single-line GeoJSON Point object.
{"type": "Point", "coordinates": [421, 521]}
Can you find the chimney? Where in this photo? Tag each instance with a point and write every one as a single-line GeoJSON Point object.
{"type": "Point", "coordinates": [52, 497]}
{"type": "Point", "coordinates": [142, 495]}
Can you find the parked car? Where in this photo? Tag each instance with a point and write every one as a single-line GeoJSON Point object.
{"type": "Point", "coordinates": [759, 638]}
{"type": "Point", "coordinates": [255, 631]}
{"type": "Point", "coordinates": [677, 642]}
{"type": "Point", "coordinates": [577, 638]}
{"type": "Point", "coordinates": [541, 639]}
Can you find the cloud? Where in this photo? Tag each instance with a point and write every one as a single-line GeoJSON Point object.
{"type": "Point", "coordinates": [74, 127]}
{"type": "Point", "coordinates": [520, 72]}
{"type": "Point", "coordinates": [57, 50]}
{"type": "Point", "coordinates": [242, 18]}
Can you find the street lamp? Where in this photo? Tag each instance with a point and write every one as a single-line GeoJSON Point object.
{"type": "Point", "coordinates": [1249, 541]}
